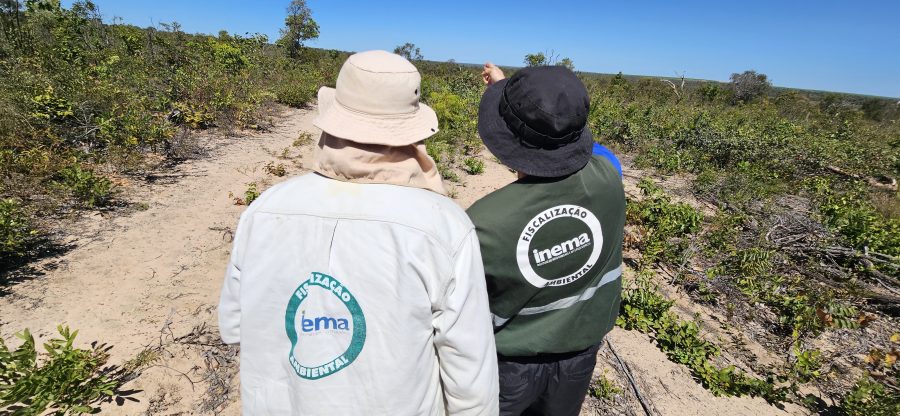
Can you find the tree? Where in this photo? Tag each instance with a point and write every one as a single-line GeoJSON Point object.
{"type": "Point", "coordinates": [409, 51]}
{"type": "Point", "coordinates": [11, 23]}
{"type": "Point", "coordinates": [536, 59]}
{"type": "Point", "coordinates": [299, 27]}
{"type": "Point", "coordinates": [874, 108]}
{"type": "Point", "coordinates": [749, 85]}
{"type": "Point", "coordinates": [710, 91]}
{"type": "Point", "coordinates": [566, 62]}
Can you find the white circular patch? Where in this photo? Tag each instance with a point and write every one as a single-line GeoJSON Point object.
{"type": "Point", "coordinates": [541, 220]}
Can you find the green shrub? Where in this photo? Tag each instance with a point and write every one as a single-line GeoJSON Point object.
{"type": "Point", "coordinates": [16, 232]}
{"type": "Point", "coordinates": [451, 110]}
{"type": "Point", "coordinates": [852, 214]}
{"type": "Point", "coordinates": [645, 309]}
{"type": "Point", "coordinates": [871, 398]}
{"type": "Point", "coordinates": [603, 389]}
{"type": "Point", "coordinates": [722, 233]}
{"type": "Point", "coordinates": [298, 87]}
{"type": "Point", "coordinates": [665, 160]}
{"type": "Point", "coordinates": [275, 170]}
{"type": "Point", "coordinates": [474, 166]}
{"type": "Point", "coordinates": [453, 93]}
{"type": "Point", "coordinates": [447, 173]}
{"type": "Point", "coordinates": [64, 380]}
{"type": "Point", "coordinates": [439, 151]}
{"type": "Point", "coordinates": [806, 364]}
{"type": "Point", "coordinates": [251, 193]}
{"type": "Point", "coordinates": [303, 139]}
{"type": "Point", "coordinates": [801, 307]}
{"type": "Point", "coordinates": [89, 188]}
{"type": "Point", "coordinates": [751, 262]}
{"type": "Point", "coordinates": [667, 224]}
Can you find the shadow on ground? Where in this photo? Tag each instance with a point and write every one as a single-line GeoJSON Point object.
{"type": "Point", "coordinates": [31, 265]}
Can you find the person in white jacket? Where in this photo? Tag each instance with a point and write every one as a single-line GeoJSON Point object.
{"type": "Point", "coordinates": [359, 289]}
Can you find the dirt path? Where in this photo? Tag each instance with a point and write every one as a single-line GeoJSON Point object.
{"type": "Point", "coordinates": [151, 279]}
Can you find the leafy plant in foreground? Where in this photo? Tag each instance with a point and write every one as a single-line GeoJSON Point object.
{"type": "Point", "coordinates": [870, 398]}
{"type": "Point", "coordinates": [65, 380]}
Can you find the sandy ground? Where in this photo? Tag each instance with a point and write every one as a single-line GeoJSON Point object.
{"type": "Point", "coordinates": [150, 280]}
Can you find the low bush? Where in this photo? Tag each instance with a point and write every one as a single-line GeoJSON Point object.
{"type": "Point", "coordinates": [86, 186]}
{"type": "Point", "coordinates": [251, 193]}
{"type": "Point", "coordinates": [16, 232]}
{"type": "Point", "coordinates": [645, 309]}
{"type": "Point", "coordinates": [802, 307]}
{"type": "Point", "coordinates": [807, 364]}
{"type": "Point", "coordinates": [297, 87]}
{"type": "Point", "coordinates": [63, 380]}
{"type": "Point", "coordinates": [447, 173]}
{"type": "Point", "coordinates": [666, 225]}
{"type": "Point", "coordinates": [871, 398]}
{"type": "Point", "coordinates": [852, 214]}
{"type": "Point", "coordinates": [473, 166]}
{"type": "Point", "coordinates": [603, 389]}
{"type": "Point", "coordinates": [278, 170]}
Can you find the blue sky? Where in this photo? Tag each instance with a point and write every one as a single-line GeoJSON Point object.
{"type": "Point", "coordinates": [848, 46]}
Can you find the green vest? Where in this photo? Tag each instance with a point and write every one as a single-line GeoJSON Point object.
{"type": "Point", "coordinates": [552, 252]}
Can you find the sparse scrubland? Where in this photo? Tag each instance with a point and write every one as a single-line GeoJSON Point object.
{"type": "Point", "coordinates": [84, 104]}
{"type": "Point", "coordinates": [781, 217]}
{"type": "Point", "coordinates": [774, 210]}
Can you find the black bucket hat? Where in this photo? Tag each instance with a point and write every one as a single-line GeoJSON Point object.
{"type": "Point", "coordinates": [536, 121]}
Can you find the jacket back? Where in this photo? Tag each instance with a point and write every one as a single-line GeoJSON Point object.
{"type": "Point", "coordinates": [358, 299]}
{"type": "Point", "coordinates": [553, 259]}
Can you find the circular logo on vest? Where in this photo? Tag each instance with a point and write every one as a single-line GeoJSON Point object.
{"type": "Point", "coordinates": [326, 327]}
{"type": "Point", "coordinates": [559, 246]}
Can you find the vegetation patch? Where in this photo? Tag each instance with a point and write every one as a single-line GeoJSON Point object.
{"type": "Point", "coordinates": [665, 226]}
{"type": "Point", "coordinates": [81, 97]}
{"type": "Point", "coordinates": [16, 232]}
{"type": "Point", "coordinates": [474, 166]}
{"type": "Point", "coordinates": [645, 309]}
{"type": "Point", "coordinates": [604, 389]}
{"type": "Point", "coordinates": [63, 380]}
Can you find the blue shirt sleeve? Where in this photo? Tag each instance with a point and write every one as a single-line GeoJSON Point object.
{"type": "Point", "coordinates": [602, 151]}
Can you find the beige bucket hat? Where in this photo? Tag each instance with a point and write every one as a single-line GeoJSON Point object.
{"type": "Point", "coordinates": [376, 101]}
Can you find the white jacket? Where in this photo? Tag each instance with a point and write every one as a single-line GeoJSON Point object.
{"type": "Point", "coordinates": [359, 299]}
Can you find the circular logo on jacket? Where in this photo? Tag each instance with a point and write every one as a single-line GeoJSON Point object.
{"type": "Point", "coordinates": [326, 327]}
{"type": "Point", "coordinates": [559, 246]}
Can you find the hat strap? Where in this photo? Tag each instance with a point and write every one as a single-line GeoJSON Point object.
{"type": "Point", "coordinates": [529, 136]}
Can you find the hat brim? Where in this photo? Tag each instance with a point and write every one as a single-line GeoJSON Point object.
{"type": "Point", "coordinates": [504, 144]}
{"type": "Point", "coordinates": [390, 130]}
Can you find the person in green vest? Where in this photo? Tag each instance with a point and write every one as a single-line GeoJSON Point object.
{"type": "Point", "coordinates": [551, 241]}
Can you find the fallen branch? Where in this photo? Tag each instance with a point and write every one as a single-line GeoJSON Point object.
{"type": "Point", "coordinates": [883, 182]}
{"type": "Point", "coordinates": [645, 404]}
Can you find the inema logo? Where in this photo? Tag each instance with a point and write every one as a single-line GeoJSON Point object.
{"type": "Point", "coordinates": [561, 250]}
{"type": "Point", "coordinates": [528, 258]}
{"type": "Point", "coordinates": [322, 323]}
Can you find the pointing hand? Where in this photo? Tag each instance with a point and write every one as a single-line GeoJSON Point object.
{"type": "Point", "coordinates": [491, 74]}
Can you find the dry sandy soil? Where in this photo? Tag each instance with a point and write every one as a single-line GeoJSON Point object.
{"type": "Point", "coordinates": [149, 281]}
